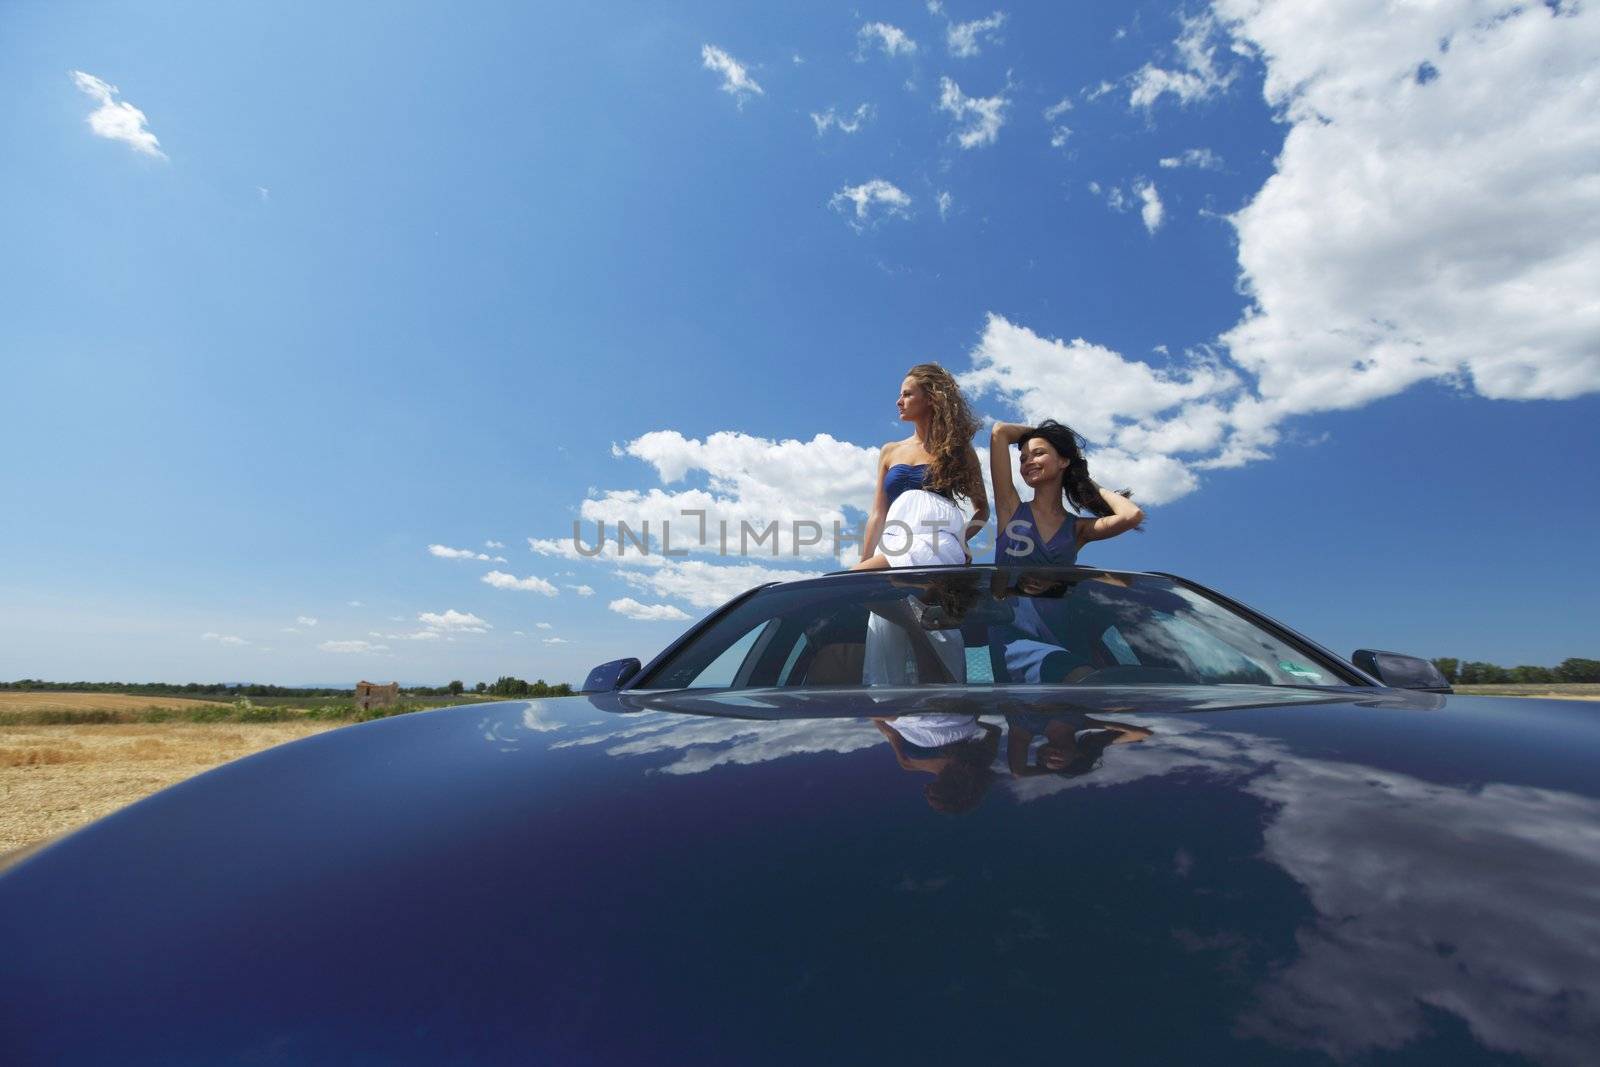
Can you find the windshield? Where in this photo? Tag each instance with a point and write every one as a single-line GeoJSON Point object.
{"type": "Point", "coordinates": [985, 626]}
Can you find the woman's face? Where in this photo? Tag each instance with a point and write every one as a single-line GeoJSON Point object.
{"type": "Point", "coordinates": [913, 402]}
{"type": "Point", "coordinates": [1041, 463]}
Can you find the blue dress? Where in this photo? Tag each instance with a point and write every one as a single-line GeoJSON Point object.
{"type": "Point", "coordinates": [1019, 649]}
{"type": "Point", "coordinates": [903, 476]}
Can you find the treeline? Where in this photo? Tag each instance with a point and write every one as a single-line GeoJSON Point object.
{"type": "Point", "coordinates": [505, 685]}
{"type": "Point", "coordinates": [1474, 673]}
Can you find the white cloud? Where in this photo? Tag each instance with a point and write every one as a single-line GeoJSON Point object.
{"type": "Point", "coordinates": [444, 552]}
{"type": "Point", "coordinates": [352, 647]}
{"type": "Point", "coordinates": [631, 608]}
{"type": "Point", "coordinates": [749, 479]}
{"type": "Point", "coordinates": [1057, 109]}
{"type": "Point", "coordinates": [117, 120]}
{"type": "Point", "coordinates": [736, 80]}
{"type": "Point", "coordinates": [415, 635]}
{"type": "Point", "coordinates": [555, 641]}
{"type": "Point", "coordinates": [543, 626]}
{"type": "Point", "coordinates": [945, 200]}
{"type": "Point", "coordinates": [982, 116]}
{"type": "Point", "coordinates": [891, 39]}
{"type": "Point", "coordinates": [305, 620]}
{"type": "Point", "coordinates": [582, 590]}
{"type": "Point", "coordinates": [962, 37]}
{"type": "Point", "coordinates": [223, 639]}
{"type": "Point", "coordinates": [263, 192]}
{"type": "Point", "coordinates": [1203, 158]}
{"type": "Point", "coordinates": [1400, 238]}
{"type": "Point", "coordinates": [707, 585]}
{"type": "Point", "coordinates": [830, 120]}
{"type": "Point", "coordinates": [872, 200]}
{"type": "Point", "coordinates": [1108, 398]}
{"type": "Point", "coordinates": [288, 630]}
{"type": "Point", "coordinates": [353, 603]}
{"type": "Point", "coordinates": [1196, 76]}
{"type": "Point", "coordinates": [494, 544]}
{"type": "Point", "coordinates": [531, 584]}
{"type": "Point", "coordinates": [1150, 209]}
{"type": "Point", "coordinates": [455, 621]}
{"type": "Point", "coordinates": [1097, 91]}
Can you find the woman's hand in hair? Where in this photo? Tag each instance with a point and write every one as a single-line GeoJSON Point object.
{"type": "Point", "coordinates": [1125, 515]}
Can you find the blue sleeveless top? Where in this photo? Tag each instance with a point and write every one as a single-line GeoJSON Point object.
{"type": "Point", "coordinates": [1019, 542]}
{"type": "Point", "coordinates": [903, 476]}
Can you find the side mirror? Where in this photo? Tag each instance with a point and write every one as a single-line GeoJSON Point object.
{"type": "Point", "coordinates": [610, 676]}
{"type": "Point", "coordinates": [1401, 672]}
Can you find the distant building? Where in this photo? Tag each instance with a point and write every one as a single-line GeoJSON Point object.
{"type": "Point", "coordinates": [373, 695]}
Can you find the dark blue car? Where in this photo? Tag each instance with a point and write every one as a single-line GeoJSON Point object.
{"type": "Point", "coordinates": [966, 816]}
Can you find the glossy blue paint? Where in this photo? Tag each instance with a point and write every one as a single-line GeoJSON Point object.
{"type": "Point", "coordinates": [1274, 876]}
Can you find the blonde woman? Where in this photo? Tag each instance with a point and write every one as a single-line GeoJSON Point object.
{"type": "Point", "coordinates": [915, 520]}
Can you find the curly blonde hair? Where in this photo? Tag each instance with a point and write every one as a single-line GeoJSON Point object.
{"type": "Point", "coordinates": [950, 432]}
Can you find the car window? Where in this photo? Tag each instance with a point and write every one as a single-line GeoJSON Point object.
{"type": "Point", "coordinates": [986, 626]}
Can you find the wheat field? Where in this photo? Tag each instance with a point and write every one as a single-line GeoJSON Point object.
{"type": "Point", "coordinates": [57, 778]}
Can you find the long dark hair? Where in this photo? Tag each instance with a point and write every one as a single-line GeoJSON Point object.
{"type": "Point", "coordinates": [1080, 490]}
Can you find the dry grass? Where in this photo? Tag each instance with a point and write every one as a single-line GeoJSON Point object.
{"type": "Point", "coordinates": [12, 702]}
{"type": "Point", "coordinates": [1546, 690]}
{"type": "Point", "coordinates": [58, 778]}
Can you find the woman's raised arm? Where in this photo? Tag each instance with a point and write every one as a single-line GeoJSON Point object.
{"type": "Point", "coordinates": [1001, 438]}
{"type": "Point", "coordinates": [1125, 515]}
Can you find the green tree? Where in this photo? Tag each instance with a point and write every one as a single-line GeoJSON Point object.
{"type": "Point", "coordinates": [1527, 674]}
{"type": "Point", "coordinates": [455, 688]}
{"type": "Point", "coordinates": [481, 687]}
{"type": "Point", "coordinates": [1579, 670]}
{"type": "Point", "coordinates": [1448, 667]}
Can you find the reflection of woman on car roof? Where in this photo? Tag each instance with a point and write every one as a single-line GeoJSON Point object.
{"type": "Point", "coordinates": [1044, 531]}
{"type": "Point", "coordinates": [957, 750]}
{"type": "Point", "coordinates": [1073, 742]}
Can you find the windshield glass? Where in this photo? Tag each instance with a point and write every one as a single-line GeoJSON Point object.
{"type": "Point", "coordinates": [985, 626]}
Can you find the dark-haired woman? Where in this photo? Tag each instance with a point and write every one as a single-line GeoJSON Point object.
{"type": "Point", "coordinates": [1047, 532]}
{"type": "Point", "coordinates": [1044, 530]}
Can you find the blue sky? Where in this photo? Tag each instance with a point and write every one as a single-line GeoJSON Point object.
{"type": "Point", "coordinates": [1319, 285]}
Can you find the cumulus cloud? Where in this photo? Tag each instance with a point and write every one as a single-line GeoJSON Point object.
{"type": "Point", "coordinates": [736, 80]}
{"type": "Point", "coordinates": [1150, 209]}
{"type": "Point", "coordinates": [543, 626]}
{"type": "Point", "coordinates": [117, 120]}
{"type": "Point", "coordinates": [493, 544]}
{"type": "Point", "coordinates": [415, 635]}
{"type": "Point", "coordinates": [1399, 239]}
{"type": "Point", "coordinates": [444, 552]}
{"type": "Point", "coordinates": [223, 639]}
{"type": "Point", "coordinates": [707, 585]}
{"type": "Point", "coordinates": [555, 641]}
{"type": "Point", "coordinates": [1201, 158]}
{"type": "Point", "coordinates": [305, 620]}
{"type": "Point", "coordinates": [962, 37]}
{"type": "Point", "coordinates": [748, 479]}
{"type": "Point", "coordinates": [831, 120]}
{"type": "Point", "coordinates": [864, 204]}
{"type": "Point", "coordinates": [980, 117]}
{"type": "Point", "coordinates": [1195, 74]}
{"type": "Point", "coordinates": [531, 584]}
{"type": "Point", "coordinates": [582, 590]}
{"type": "Point", "coordinates": [891, 39]}
{"type": "Point", "coordinates": [352, 647]}
{"type": "Point", "coordinates": [632, 609]}
{"type": "Point", "coordinates": [1126, 406]}
{"type": "Point", "coordinates": [454, 621]}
